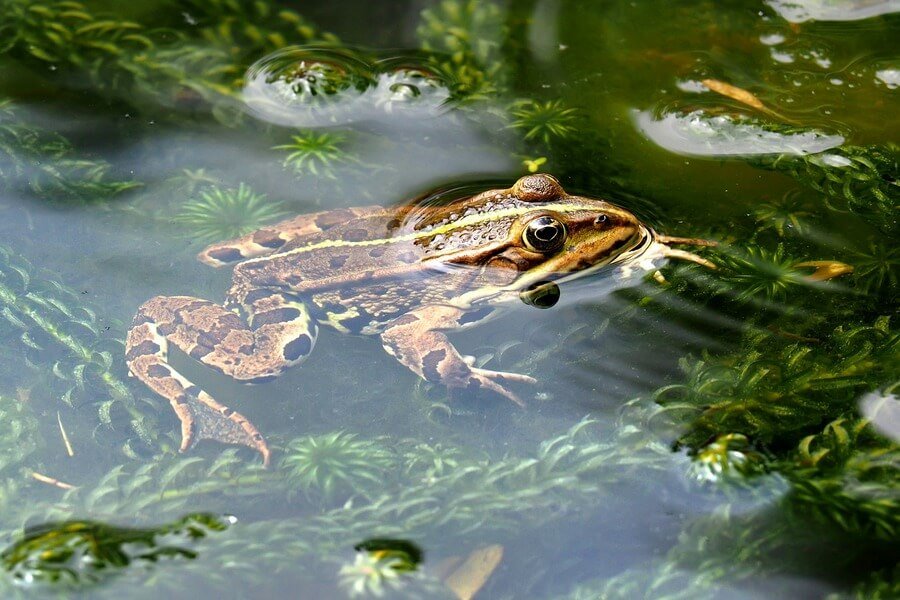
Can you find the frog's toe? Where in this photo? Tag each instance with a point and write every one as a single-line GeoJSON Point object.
{"type": "Point", "coordinates": [478, 380]}
{"type": "Point", "coordinates": [505, 376]}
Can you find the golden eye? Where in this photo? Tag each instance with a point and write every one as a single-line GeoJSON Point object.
{"type": "Point", "coordinates": [544, 234]}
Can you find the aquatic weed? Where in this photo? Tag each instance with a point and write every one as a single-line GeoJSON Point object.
{"type": "Point", "coordinates": [336, 465]}
{"type": "Point", "coordinates": [543, 121]}
{"type": "Point", "coordinates": [315, 154]}
{"type": "Point", "coordinates": [221, 214]}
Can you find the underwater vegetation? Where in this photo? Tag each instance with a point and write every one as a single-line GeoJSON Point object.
{"type": "Point", "coordinates": [862, 180]}
{"type": "Point", "coordinates": [314, 154]}
{"type": "Point", "coordinates": [543, 120]}
{"type": "Point", "coordinates": [45, 320]}
{"type": "Point", "coordinates": [335, 465]}
{"type": "Point", "coordinates": [222, 214]}
{"type": "Point", "coordinates": [764, 426]}
{"type": "Point", "coordinates": [49, 164]}
{"type": "Point", "coordinates": [470, 35]}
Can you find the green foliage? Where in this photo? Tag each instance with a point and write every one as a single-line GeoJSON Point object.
{"type": "Point", "coordinates": [336, 465]}
{"type": "Point", "coordinates": [543, 121]}
{"type": "Point", "coordinates": [226, 214]}
{"type": "Point", "coordinates": [877, 269]}
{"type": "Point", "coordinates": [18, 434]}
{"type": "Point", "coordinates": [371, 574]}
{"type": "Point", "coordinates": [171, 484]}
{"type": "Point", "coordinates": [757, 274]}
{"type": "Point", "coordinates": [776, 387]}
{"type": "Point", "coordinates": [48, 163]}
{"type": "Point", "coordinates": [848, 477]}
{"type": "Point", "coordinates": [862, 179]}
{"type": "Point", "coordinates": [75, 553]}
{"type": "Point", "coordinates": [51, 324]}
{"type": "Point", "coordinates": [315, 154]}
{"type": "Point", "coordinates": [790, 213]}
{"type": "Point", "coordinates": [471, 34]}
{"type": "Point", "coordinates": [186, 68]}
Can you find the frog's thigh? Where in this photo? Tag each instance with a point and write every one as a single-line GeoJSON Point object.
{"type": "Point", "coordinates": [416, 340]}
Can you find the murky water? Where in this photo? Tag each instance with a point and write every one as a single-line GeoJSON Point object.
{"type": "Point", "coordinates": [726, 433]}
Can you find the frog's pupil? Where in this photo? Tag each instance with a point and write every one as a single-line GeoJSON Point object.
{"type": "Point", "coordinates": [547, 233]}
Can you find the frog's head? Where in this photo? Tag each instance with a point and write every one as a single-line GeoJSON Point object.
{"type": "Point", "coordinates": [535, 232]}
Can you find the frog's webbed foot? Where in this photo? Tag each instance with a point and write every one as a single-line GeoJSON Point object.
{"type": "Point", "coordinates": [416, 340]}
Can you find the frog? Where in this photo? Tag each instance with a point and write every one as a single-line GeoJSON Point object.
{"type": "Point", "coordinates": [407, 275]}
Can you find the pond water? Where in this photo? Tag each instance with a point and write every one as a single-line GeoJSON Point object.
{"type": "Point", "coordinates": [693, 432]}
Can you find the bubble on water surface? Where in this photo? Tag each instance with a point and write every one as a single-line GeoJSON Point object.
{"type": "Point", "coordinates": [701, 134]}
{"type": "Point", "coordinates": [799, 11]}
{"type": "Point", "coordinates": [306, 86]}
{"type": "Point", "coordinates": [889, 77]}
{"type": "Point", "coordinates": [882, 408]}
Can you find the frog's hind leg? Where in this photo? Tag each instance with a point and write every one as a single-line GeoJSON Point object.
{"type": "Point", "coordinates": [222, 340]}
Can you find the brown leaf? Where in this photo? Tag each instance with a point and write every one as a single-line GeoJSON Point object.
{"type": "Point", "coordinates": [473, 573]}
{"type": "Point", "coordinates": [735, 93]}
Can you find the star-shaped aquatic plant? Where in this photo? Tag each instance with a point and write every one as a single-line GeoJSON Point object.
{"type": "Point", "coordinates": [543, 121]}
{"type": "Point", "coordinates": [877, 268]}
{"type": "Point", "coordinates": [317, 154]}
{"type": "Point", "coordinates": [221, 214]}
{"type": "Point", "coordinates": [335, 465]}
{"type": "Point", "coordinates": [788, 213]}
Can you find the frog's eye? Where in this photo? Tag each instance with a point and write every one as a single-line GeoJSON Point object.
{"type": "Point", "coordinates": [544, 234]}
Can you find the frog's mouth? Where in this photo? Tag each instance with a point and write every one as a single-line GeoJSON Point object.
{"type": "Point", "coordinates": [638, 254]}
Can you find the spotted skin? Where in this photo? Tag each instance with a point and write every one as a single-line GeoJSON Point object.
{"type": "Point", "coordinates": [269, 240]}
{"type": "Point", "coordinates": [418, 341]}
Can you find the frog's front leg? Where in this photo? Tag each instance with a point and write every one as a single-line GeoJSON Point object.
{"type": "Point", "coordinates": [416, 339]}
{"type": "Point", "coordinates": [279, 335]}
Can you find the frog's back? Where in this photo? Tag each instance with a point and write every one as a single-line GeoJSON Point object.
{"type": "Point", "coordinates": [302, 229]}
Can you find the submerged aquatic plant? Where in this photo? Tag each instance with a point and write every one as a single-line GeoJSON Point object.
{"type": "Point", "coordinates": [336, 465]}
{"type": "Point", "coordinates": [19, 435]}
{"type": "Point", "coordinates": [315, 154]}
{"type": "Point", "coordinates": [221, 214]}
{"type": "Point", "coordinates": [777, 386]}
{"type": "Point", "coordinates": [862, 179]}
{"type": "Point", "coordinates": [877, 269]}
{"type": "Point", "coordinates": [50, 322]}
{"type": "Point", "coordinates": [729, 457]}
{"type": "Point", "coordinates": [468, 35]}
{"type": "Point", "coordinates": [543, 121]}
{"type": "Point", "coordinates": [788, 213]}
{"type": "Point", "coordinates": [49, 163]}
{"type": "Point", "coordinates": [197, 67]}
